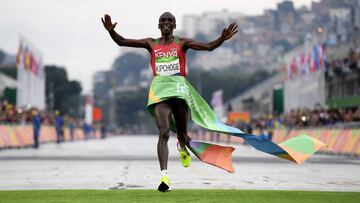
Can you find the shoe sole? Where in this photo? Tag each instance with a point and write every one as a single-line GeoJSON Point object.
{"type": "Point", "coordinates": [163, 187]}
{"type": "Point", "coordinates": [185, 166]}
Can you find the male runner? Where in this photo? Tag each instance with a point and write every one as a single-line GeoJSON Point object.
{"type": "Point", "coordinates": [168, 58]}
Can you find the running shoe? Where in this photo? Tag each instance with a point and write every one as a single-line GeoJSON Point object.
{"type": "Point", "coordinates": [164, 184]}
{"type": "Point", "coordinates": [184, 156]}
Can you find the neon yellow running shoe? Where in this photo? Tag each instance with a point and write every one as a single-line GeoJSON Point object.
{"type": "Point", "coordinates": [184, 156]}
{"type": "Point", "coordinates": [164, 184]}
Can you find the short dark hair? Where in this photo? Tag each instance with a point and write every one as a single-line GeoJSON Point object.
{"type": "Point", "coordinates": [167, 13]}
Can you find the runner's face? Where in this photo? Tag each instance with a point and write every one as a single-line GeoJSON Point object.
{"type": "Point", "coordinates": [167, 24]}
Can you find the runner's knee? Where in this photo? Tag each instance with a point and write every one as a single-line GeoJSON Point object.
{"type": "Point", "coordinates": [164, 133]}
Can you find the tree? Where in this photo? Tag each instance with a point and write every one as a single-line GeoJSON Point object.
{"type": "Point", "coordinates": [62, 94]}
{"type": "Point", "coordinates": [9, 69]}
{"type": "Point", "coordinates": [2, 56]}
{"type": "Point", "coordinates": [131, 111]}
{"type": "Point", "coordinates": [128, 67]}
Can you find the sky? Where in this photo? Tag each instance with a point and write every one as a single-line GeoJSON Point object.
{"type": "Point", "coordinates": [69, 33]}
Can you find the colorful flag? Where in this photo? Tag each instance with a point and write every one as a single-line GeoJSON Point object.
{"type": "Point", "coordinates": [26, 58]}
{"type": "Point", "coordinates": [312, 63]}
{"type": "Point", "coordinates": [19, 56]}
{"type": "Point", "coordinates": [216, 155]}
{"type": "Point", "coordinates": [316, 58]}
{"type": "Point", "coordinates": [293, 68]}
{"type": "Point", "coordinates": [322, 56]}
{"type": "Point", "coordinates": [297, 149]}
{"type": "Point", "coordinates": [33, 64]}
{"type": "Point", "coordinates": [31, 87]}
{"type": "Point", "coordinates": [303, 64]}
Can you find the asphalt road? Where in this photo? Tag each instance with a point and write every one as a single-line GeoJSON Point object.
{"type": "Point", "coordinates": [130, 162]}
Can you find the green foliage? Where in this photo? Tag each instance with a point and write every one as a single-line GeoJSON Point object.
{"type": "Point", "coordinates": [2, 56]}
{"type": "Point", "coordinates": [131, 110]}
{"type": "Point", "coordinates": [9, 70]}
{"type": "Point", "coordinates": [149, 196]}
{"type": "Point", "coordinates": [66, 93]}
{"type": "Point", "coordinates": [128, 67]}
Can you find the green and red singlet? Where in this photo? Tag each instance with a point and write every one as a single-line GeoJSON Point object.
{"type": "Point", "coordinates": [168, 60]}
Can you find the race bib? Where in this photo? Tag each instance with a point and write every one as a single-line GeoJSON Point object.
{"type": "Point", "coordinates": [167, 66]}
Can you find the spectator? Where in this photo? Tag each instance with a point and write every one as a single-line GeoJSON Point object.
{"type": "Point", "coordinates": [103, 131]}
{"type": "Point", "coordinates": [263, 133]}
{"type": "Point", "coordinates": [87, 130]}
{"type": "Point", "coordinates": [59, 127]}
{"type": "Point", "coordinates": [36, 125]}
{"type": "Point", "coordinates": [269, 126]}
{"type": "Point", "coordinates": [356, 114]}
{"type": "Point", "coordinates": [71, 126]}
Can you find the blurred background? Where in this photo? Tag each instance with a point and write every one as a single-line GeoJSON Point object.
{"type": "Point", "coordinates": [292, 69]}
{"type": "Point", "coordinates": [293, 65]}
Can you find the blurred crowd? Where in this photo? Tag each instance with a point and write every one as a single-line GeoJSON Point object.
{"type": "Point", "coordinates": [299, 118]}
{"type": "Point", "coordinates": [10, 114]}
{"type": "Point", "coordinates": [302, 118]}
{"type": "Point", "coordinates": [320, 117]}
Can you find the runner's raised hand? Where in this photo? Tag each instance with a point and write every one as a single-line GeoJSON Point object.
{"type": "Point", "coordinates": [230, 31]}
{"type": "Point", "coordinates": [107, 23]}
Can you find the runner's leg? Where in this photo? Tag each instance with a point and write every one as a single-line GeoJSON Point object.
{"type": "Point", "coordinates": [180, 112]}
{"type": "Point", "coordinates": [162, 116]}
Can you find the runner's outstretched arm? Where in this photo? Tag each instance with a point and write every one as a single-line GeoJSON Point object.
{"type": "Point", "coordinates": [120, 40]}
{"type": "Point", "coordinates": [226, 34]}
